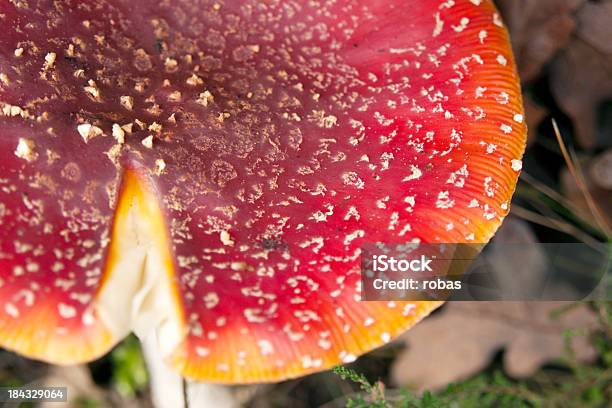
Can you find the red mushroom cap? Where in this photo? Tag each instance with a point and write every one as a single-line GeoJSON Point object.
{"type": "Point", "coordinates": [207, 171]}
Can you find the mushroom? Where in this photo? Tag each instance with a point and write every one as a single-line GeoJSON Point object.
{"type": "Point", "coordinates": [205, 173]}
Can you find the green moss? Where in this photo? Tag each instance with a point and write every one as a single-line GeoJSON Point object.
{"type": "Point", "coordinates": [129, 371]}
{"type": "Point", "coordinates": [571, 385]}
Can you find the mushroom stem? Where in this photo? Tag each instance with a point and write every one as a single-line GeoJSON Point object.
{"type": "Point", "coordinates": [170, 390]}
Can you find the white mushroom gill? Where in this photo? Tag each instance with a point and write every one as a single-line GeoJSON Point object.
{"type": "Point", "coordinates": [138, 292]}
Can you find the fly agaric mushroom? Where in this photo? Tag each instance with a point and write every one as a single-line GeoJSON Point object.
{"type": "Point", "coordinates": [207, 171]}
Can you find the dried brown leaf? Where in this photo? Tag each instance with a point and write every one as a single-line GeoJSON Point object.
{"type": "Point", "coordinates": [461, 340]}
{"type": "Point", "coordinates": [601, 170]}
{"type": "Point", "coordinates": [595, 25]}
{"type": "Point", "coordinates": [581, 75]}
{"type": "Point", "coordinates": [538, 28]}
{"type": "Point", "coordinates": [581, 78]}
